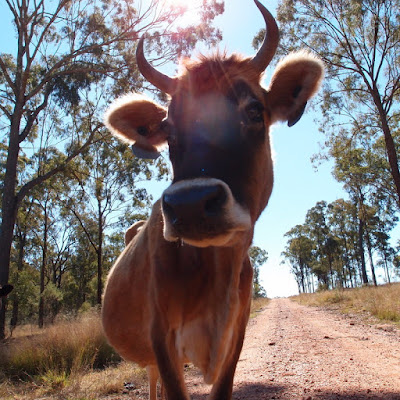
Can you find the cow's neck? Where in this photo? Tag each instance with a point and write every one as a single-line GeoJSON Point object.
{"type": "Point", "coordinates": [196, 276]}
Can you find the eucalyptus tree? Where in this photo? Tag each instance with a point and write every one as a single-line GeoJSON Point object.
{"type": "Point", "coordinates": [327, 245]}
{"type": "Point", "coordinates": [258, 257]}
{"type": "Point", "coordinates": [343, 222]}
{"type": "Point", "coordinates": [109, 184]}
{"type": "Point", "coordinates": [302, 249]}
{"type": "Point", "coordinates": [320, 233]}
{"type": "Point", "coordinates": [300, 253]}
{"type": "Point", "coordinates": [62, 47]}
{"type": "Point", "coordinates": [79, 283]}
{"type": "Point", "coordinates": [24, 250]}
{"type": "Point", "coordinates": [359, 40]}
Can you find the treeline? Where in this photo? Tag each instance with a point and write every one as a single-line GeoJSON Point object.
{"type": "Point", "coordinates": [340, 246]}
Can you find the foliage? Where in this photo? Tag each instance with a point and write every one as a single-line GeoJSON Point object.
{"type": "Point", "coordinates": [359, 42]}
{"type": "Point", "coordinates": [258, 257]}
{"type": "Point", "coordinates": [330, 246]}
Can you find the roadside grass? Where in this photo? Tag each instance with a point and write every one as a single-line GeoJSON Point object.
{"type": "Point", "coordinates": [382, 302]}
{"type": "Point", "coordinates": [69, 360]}
{"type": "Point", "coordinates": [65, 347]}
{"type": "Point", "coordinates": [84, 385]}
{"type": "Point", "coordinates": [257, 305]}
{"type": "Point", "coordinates": [58, 359]}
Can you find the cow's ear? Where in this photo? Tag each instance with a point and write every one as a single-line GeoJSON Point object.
{"type": "Point", "coordinates": [136, 120]}
{"type": "Point", "coordinates": [295, 80]}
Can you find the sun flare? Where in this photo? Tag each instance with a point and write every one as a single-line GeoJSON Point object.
{"type": "Point", "coordinates": [190, 11]}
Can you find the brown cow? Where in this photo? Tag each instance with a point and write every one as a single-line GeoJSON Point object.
{"type": "Point", "coordinates": [5, 291]}
{"type": "Point", "coordinates": [181, 289]}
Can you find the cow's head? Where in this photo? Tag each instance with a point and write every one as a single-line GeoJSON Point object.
{"type": "Point", "coordinates": [217, 130]}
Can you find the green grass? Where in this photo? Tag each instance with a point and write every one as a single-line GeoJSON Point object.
{"type": "Point", "coordinates": [382, 302]}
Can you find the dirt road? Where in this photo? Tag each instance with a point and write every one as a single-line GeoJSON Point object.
{"type": "Point", "coordinates": [296, 352]}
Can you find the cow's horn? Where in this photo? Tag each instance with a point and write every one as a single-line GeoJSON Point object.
{"type": "Point", "coordinates": [158, 79]}
{"type": "Point", "coordinates": [267, 51]}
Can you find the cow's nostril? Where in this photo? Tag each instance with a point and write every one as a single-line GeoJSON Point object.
{"type": "Point", "coordinates": [194, 203]}
{"type": "Point", "coordinates": [215, 202]}
{"type": "Point", "coordinates": [169, 206]}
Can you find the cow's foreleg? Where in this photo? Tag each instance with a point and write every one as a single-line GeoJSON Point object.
{"type": "Point", "coordinates": [222, 388]}
{"type": "Point", "coordinates": [169, 364]}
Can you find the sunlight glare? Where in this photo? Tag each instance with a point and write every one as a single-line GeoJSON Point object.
{"type": "Point", "coordinates": [190, 15]}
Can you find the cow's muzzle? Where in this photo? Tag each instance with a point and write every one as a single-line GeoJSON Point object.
{"type": "Point", "coordinates": [202, 212]}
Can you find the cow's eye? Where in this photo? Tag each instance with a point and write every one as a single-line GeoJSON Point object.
{"type": "Point", "coordinates": [142, 130]}
{"type": "Point", "coordinates": [254, 111]}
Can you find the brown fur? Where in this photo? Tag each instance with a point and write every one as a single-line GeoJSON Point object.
{"type": "Point", "coordinates": [215, 73]}
{"type": "Point", "coordinates": [170, 287]}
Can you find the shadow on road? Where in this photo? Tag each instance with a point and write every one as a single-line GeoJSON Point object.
{"type": "Point", "coordinates": [258, 392]}
{"type": "Point", "coordinates": [252, 391]}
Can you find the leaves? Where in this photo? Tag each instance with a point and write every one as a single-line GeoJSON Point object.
{"type": "Point", "coordinates": [258, 258]}
{"type": "Point", "coordinates": [330, 245]}
{"type": "Point", "coordinates": [359, 43]}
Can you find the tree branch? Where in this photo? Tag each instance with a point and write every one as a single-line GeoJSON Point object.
{"type": "Point", "coordinates": [40, 179]}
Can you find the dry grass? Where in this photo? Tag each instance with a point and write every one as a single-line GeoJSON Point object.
{"type": "Point", "coordinates": [69, 360]}
{"type": "Point", "coordinates": [257, 305]}
{"type": "Point", "coordinates": [382, 302]}
{"type": "Point", "coordinates": [91, 385]}
{"type": "Point", "coordinates": [53, 360]}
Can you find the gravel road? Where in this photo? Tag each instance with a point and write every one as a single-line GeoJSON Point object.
{"type": "Point", "coordinates": [303, 353]}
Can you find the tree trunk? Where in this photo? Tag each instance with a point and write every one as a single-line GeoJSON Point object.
{"type": "Point", "coordinates": [42, 270]}
{"type": "Point", "coordinates": [302, 279]}
{"type": "Point", "coordinates": [389, 142]}
{"type": "Point", "coordinates": [361, 250]}
{"type": "Point", "coordinates": [100, 256]}
{"type": "Point", "coordinates": [387, 270]}
{"type": "Point", "coordinates": [371, 261]}
{"type": "Point", "coordinates": [9, 208]}
{"type": "Point", "coordinates": [20, 267]}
